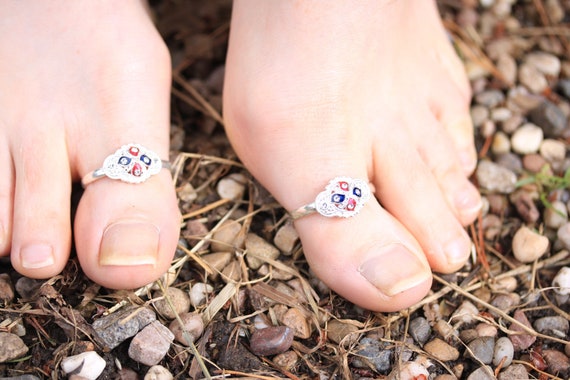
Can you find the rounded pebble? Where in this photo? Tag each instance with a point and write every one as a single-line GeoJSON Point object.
{"type": "Point", "coordinates": [232, 186]}
{"type": "Point", "coordinates": [200, 291]}
{"type": "Point", "coordinates": [553, 150]}
{"type": "Point", "coordinates": [504, 350]}
{"type": "Point", "coordinates": [285, 238]}
{"type": "Point", "coordinates": [192, 328]}
{"type": "Point", "coordinates": [441, 350]}
{"type": "Point", "coordinates": [179, 302]}
{"type": "Point", "coordinates": [555, 325]}
{"type": "Point", "coordinates": [482, 349]}
{"type": "Point", "coordinates": [271, 340]}
{"type": "Point", "coordinates": [88, 365]}
{"type": "Point", "coordinates": [490, 98]}
{"type": "Point", "coordinates": [501, 143]}
{"type": "Point", "coordinates": [228, 237]}
{"type": "Point", "coordinates": [532, 78]}
{"type": "Point", "coordinates": [11, 347]}
{"type": "Point", "coordinates": [158, 372]}
{"type": "Point", "coordinates": [495, 178]}
{"type": "Point", "coordinates": [258, 249]}
{"type": "Point", "coordinates": [527, 139]}
{"type": "Point", "coordinates": [556, 215]}
{"type": "Point", "coordinates": [546, 63]}
{"type": "Point", "coordinates": [528, 245]}
{"type": "Point", "coordinates": [561, 281]}
{"type": "Point", "coordinates": [337, 331]}
{"type": "Point", "coordinates": [514, 372]}
{"type": "Point", "coordinates": [408, 371]}
{"type": "Point", "coordinates": [287, 360]}
{"type": "Point", "coordinates": [482, 373]}
{"type": "Point", "coordinates": [479, 114]}
{"type": "Point", "coordinates": [151, 344]}
{"type": "Point", "coordinates": [420, 329]}
{"type": "Point", "coordinates": [563, 234]}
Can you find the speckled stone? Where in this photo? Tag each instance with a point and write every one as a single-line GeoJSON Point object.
{"type": "Point", "coordinates": [503, 352]}
{"type": "Point", "coordinates": [441, 350]}
{"type": "Point", "coordinates": [495, 178]}
{"type": "Point", "coordinates": [125, 323]}
{"type": "Point", "coordinates": [554, 324]}
{"type": "Point", "coordinates": [151, 344]}
{"type": "Point", "coordinates": [514, 372]}
{"type": "Point", "coordinates": [11, 347]}
{"type": "Point", "coordinates": [179, 302]}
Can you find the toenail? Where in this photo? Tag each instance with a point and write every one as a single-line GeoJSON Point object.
{"type": "Point", "coordinates": [37, 256]}
{"type": "Point", "coordinates": [457, 251]}
{"type": "Point", "coordinates": [395, 269]}
{"type": "Point", "coordinates": [129, 243]}
{"type": "Point", "coordinates": [468, 201]}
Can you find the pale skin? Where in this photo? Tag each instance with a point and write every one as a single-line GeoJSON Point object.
{"type": "Point", "coordinates": [312, 91]}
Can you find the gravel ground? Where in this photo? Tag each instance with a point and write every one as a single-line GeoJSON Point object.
{"type": "Point", "coordinates": [222, 314]}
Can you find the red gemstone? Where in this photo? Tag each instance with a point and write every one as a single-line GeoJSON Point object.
{"type": "Point", "coordinates": [351, 205]}
{"type": "Point", "coordinates": [343, 185]}
{"type": "Point", "coordinates": [136, 170]}
{"type": "Point", "coordinates": [134, 151]}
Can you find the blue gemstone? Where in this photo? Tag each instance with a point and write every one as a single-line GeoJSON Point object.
{"type": "Point", "coordinates": [124, 160]}
{"type": "Point", "coordinates": [337, 198]}
{"type": "Point", "coordinates": [145, 159]}
{"type": "Point", "coordinates": [356, 191]}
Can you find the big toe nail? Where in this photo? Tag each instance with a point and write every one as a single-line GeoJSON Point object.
{"type": "Point", "coordinates": [128, 242]}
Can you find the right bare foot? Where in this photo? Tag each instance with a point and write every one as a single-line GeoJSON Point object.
{"type": "Point", "coordinates": [371, 90]}
{"type": "Point", "coordinates": [78, 80]}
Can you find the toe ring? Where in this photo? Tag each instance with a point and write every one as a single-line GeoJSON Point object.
{"type": "Point", "coordinates": [343, 197]}
{"type": "Point", "coordinates": [131, 163]}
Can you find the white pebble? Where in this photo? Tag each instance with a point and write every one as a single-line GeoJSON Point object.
{"type": "Point", "coordinates": [532, 79]}
{"type": "Point", "coordinates": [557, 215]}
{"type": "Point", "coordinates": [158, 372]}
{"type": "Point", "coordinates": [527, 139]}
{"type": "Point", "coordinates": [465, 313]}
{"type": "Point", "coordinates": [503, 350]}
{"type": "Point", "coordinates": [479, 114]}
{"type": "Point", "coordinates": [501, 114]}
{"type": "Point", "coordinates": [546, 63]}
{"type": "Point", "coordinates": [553, 150]}
{"type": "Point", "coordinates": [409, 371]}
{"type": "Point", "coordinates": [561, 282]}
{"type": "Point", "coordinates": [528, 245]}
{"type": "Point", "coordinates": [88, 365]}
{"type": "Point", "coordinates": [232, 187]}
{"type": "Point", "coordinates": [198, 293]}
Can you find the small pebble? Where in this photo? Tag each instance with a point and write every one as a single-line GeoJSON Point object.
{"type": "Point", "coordinates": [285, 238]}
{"type": "Point", "coordinates": [527, 139]}
{"type": "Point", "coordinates": [420, 329]}
{"type": "Point", "coordinates": [217, 261]}
{"type": "Point", "coordinates": [337, 331]}
{"type": "Point", "coordinates": [408, 371]}
{"type": "Point", "coordinates": [11, 347]}
{"type": "Point", "coordinates": [258, 249]}
{"type": "Point", "coordinates": [490, 98]}
{"type": "Point", "coordinates": [186, 193]}
{"type": "Point", "coordinates": [151, 344]}
{"type": "Point", "coordinates": [495, 178]}
{"type": "Point", "coordinates": [441, 350]}
{"type": "Point", "coordinates": [444, 329]}
{"type": "Point", "coordinates": [510, 126]}
{"type": "Point", "coordinates": [501, 143]}
{"type": "Point", "coordinates": [528, 245]}
{"type": "Point", "coordinates": [557, 361]}
{"type": "Point", "coordinates": [479, 114]}
{"type": "Point", "coordinates": [200, 291]}
{"type": "Point", "coordinates": [373, 353]}
{"type": "Point", "coordinates": [6, 289]}
{"type": "Point", "coordinates": [507, 66]}
{"type": "Point", "coordinates": [510, 161]}
{"type": "Point", "coordinates": [192, 328]}
{"type": "Point", "coordinates": [232, 186]}
{"type": "Point", "coordinates": [550, 118]}
{"type": "Point", "coordinates": [158, 372]}
{"type": "Point", "coordinates": [561, 281]}
{"type": "Point", "coordinates": [174, 302]}
{"type": "Point", "coordinates": [88, 365]}
{"type": "Point", "coordinates": [501, 114]}
{"type": "Point", "coordinates": [465, 313]}
{"type": "Point", "coordinates": [504, 350]}
{"type": "Point", "coordinates": [532, 79]}
{"type": "Point", "coordinates": [123, 324]}
{"type": "Point", "coordinates": [506, 284]}
{"type": "Point", "coordinates": [482, 349]}
{"type": "Point", "coordinates": [563, 234]}
{"type": "Point", "coordinates": [271, 340]}
{"type": "Point", "coordinates": [294, 319]}
{"type": "Point", "coordinates": [521, 341]}
{"type": "Point", "coordinates": [534, 163]}
{"type": "Point", "coordinates": [232, 272]}
{"type": "Point", "coordinates": [287, 360]}
{"type": "Point", "coordinates": [27, 287]}
{"type": "Point", "coordinates": [520, 100]}
{"type": "Point", "coordinates": [556, 215]}
{"type": "Point", "coordinates": [482, 373]}
{"type": "Point", "coordinates": [228, 237]}
{"type": "Point", "coordinates": [485, 329]}
{"type": "Point", "coordinates": [554, 325]}
{"type": "Point", "coordinates": [553, 150]}
{"type": "Point", "coordinates": [546, 63]}
{"type": "Point", "coordinates": [514, 372]}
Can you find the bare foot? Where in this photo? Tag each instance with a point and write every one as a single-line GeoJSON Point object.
{"type": "Point", "coordinates": [79, 80]}
{"type": "Point", "coordinates": [370, 90]}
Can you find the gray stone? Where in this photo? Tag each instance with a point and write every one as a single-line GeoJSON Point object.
{"type": "Point", "coordinates": [151, 344]}
{"type": "Point", "coordinates": [495, 178]}
{"type": "Point", "coordinates": [373, 353]}
{"type": "Point", "coordinates": [510, 161]}
{"type": "Point", "coordinates": [11, 347]}
{"type": "Point", "coordinates": [22, 377]}
{"type": "Point", "coordinates": [479, 114]}
{"type": "Point", "coordinates": [564, 86]}
{"type": "Point", "coordinates": [27, 287]}
{"type": "Point", "coordinates": [550, 118]}
{"type": "Point", "coordinates": [420, 329]}
{"type": "Point", "coordinates": [556, 325]}
{"type": "Point", "coordinates": [117, 327]}
{"type": "Point", "coordinates": [482, 373]}
{"type": "Point", "coordinates": [490, 98]}
{"type": "Point", "coordinates": [503, 352]}
{"type": "Point", "coordinates": [514, 372]}
{"type": "Point", "coordinates": [482, 349]}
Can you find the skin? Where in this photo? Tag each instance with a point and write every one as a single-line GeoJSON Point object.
{"type": "Point", "coordinates": [312, 91]}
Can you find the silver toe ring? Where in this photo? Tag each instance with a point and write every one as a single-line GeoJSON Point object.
{"type": "Point", "coordinates": [131, 163]}
{"type": "Point", "coordinates": [343, 197]}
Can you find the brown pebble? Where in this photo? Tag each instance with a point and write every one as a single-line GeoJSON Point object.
{"type": "Point", "coordinates": [286, 360]}
{"type": "Point", "coordinates": [534, 163]}
{"type": "Point", "coordinates": [192, 323]}
{"type": "Point", "coordinates": [6, 289]}
{"type": "Point", "coordinates": [271, 340]}
{"type": "Point", "coordinates": [441, 350]}
{"type": "Point", "coordinates": [297, 321]}
{"type": "Point", "coordinates": [228, 237]}
{"type": "Point", "coordinates": [525, 206]}
{"type": "Point", "coordinates": [179, 302]}
{"type": "Point", "coordinates": [556, 360]}
{"type": "Point", "coordinates": [337, 331]}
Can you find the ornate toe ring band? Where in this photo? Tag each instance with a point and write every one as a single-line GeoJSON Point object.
{"type": "Point", "coordinates": [343, 197]}
{"type": "Point", "coordinates": [131, 163]}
